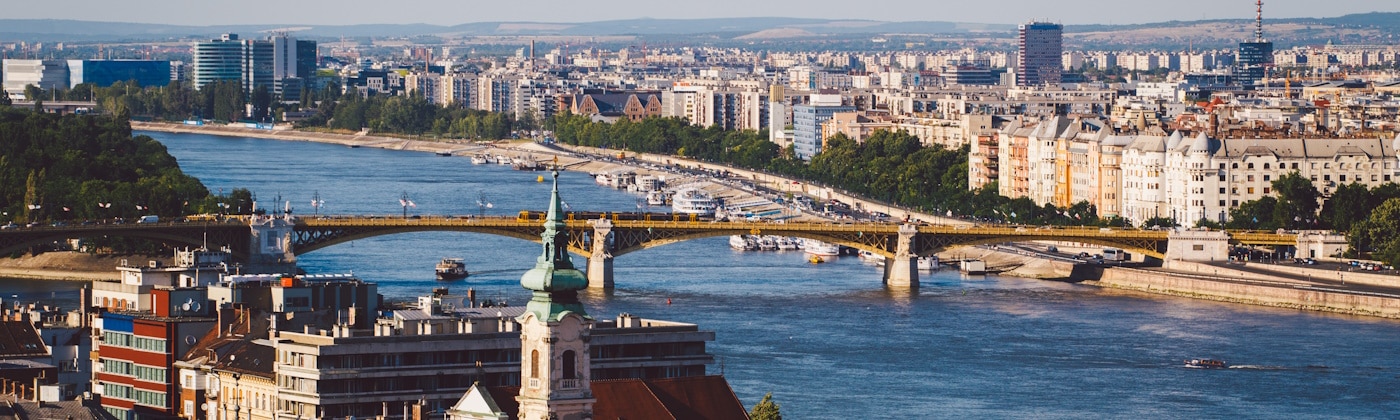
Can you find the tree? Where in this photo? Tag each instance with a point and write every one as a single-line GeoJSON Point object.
{"type": "Point", "coordinates": [262, 103]}
{"type": "Point", "coordinates": [766, 409]}
{"type": "Point", "coordinates": [1380, 232]}
{"type": "Point", "coordinates": [1297, 202]}
{"type": "Point", "coordinates": [1349, 205]}
{"type": "Point", "coordinates": [1255, 214]}
{"type": "Point", "coordinates": [5, 98]}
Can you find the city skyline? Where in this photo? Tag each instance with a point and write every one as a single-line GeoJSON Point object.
{"type": "Point", "coordinates": [350, 12]}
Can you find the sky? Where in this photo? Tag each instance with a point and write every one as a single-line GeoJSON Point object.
{"type": "Point", "coordinates": [452, 12]}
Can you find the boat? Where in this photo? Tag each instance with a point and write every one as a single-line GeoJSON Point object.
{"type": "Point", "coordinates": [928, 263]}
{"type": "Point", "coordinates": [815, 259]}
{"type": "Point", "coordinates": [816, 247]}
{"type": "Point", "coordinates": [656, 198]}
{"type": "Point", "coordinates": [1206, 364]}
{"type": "Point", "coordinates": [481, 159]}
{"type": "Point", "coordinates": [739, 242]}
{"type": "Point", "coordinates": [768, 243]}
{"type": "Point", "coordinates": [787, 243]}
{"type": "Point", "coordinates": [870, 257]}
{"type": "Point", "coordinates": [444, 153]}
{"type": "Point", "coordinates": [502, 159]}
{"type": "Point", "coordinates": [451, 269]}
{"type": "Point", "coordinates": [693, 201]}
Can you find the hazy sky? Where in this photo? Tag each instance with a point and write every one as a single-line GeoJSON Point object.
{"type": "Point", "coordinates": [451, 12]}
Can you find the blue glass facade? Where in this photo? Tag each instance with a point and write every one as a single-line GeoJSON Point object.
{"type": "Point", "coordinates": [105, 73]}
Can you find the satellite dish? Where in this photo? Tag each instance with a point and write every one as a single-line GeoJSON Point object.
{"type": "Point", "coordinates": [185, 306]}
{"type": "Point", "coordinates": [189, 339]}
{"type": "Point", "coordinates": [195, 307]}
{"type": "Point", "coordinates": [204, 407]}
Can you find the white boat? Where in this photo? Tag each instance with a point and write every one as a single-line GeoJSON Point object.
{"type": "Point", "coordinates": [767, 243]}
{"type": "Point", "coordinates": [502, 159]}
{"type": "Point", "coordinates": [693, 201]}
{"type": "Point", "coordinates": [481, 159]}
{"type": "Point", "coordinates": [816, 247]}
{"type": "Point", "coordinates": [656, 198]}
{"type": "Point", "coordinates": [928, 263]}
{"type": "Point", "coordinates": [787, 244]}
{"type": "Point", "coordinates": [870, 257]}
{"type": "Point", "coordinates": [739, 242]}
{"type": "Point", "coordinates": [603, 179]}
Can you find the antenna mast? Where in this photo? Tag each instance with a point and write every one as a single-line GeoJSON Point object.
{"type": "Point", "coordinates": [1259, 21]}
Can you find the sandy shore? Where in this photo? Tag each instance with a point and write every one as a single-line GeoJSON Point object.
{"type": "Point", "coordinates": [74, 266]}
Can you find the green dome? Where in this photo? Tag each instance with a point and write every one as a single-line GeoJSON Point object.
{"type": "Point", "coordinates": [554, 279]}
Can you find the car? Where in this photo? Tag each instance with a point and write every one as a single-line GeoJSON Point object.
{"type": "Point", "coordinates": [1309, 261]}
{"type": "Point", "coordinates": [1355, 263]}
{"type": "Point", "coordinates": [10, 225]}
{"type": "Point", "coordinates": [1052, 248]}
{"type": "Point", "coordinates": [1082, 255]}
{"type": "Point", "coordinates": [33, 224]}
{"type": "Point", "coordinates": [58, 223]}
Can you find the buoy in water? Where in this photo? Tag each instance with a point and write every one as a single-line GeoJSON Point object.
{"type": "Point", "coordinates": [668, 301]}
{"type": "Point", "coordinates": [539, 178]}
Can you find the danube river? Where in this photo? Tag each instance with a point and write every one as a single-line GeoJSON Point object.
{"type": "Point", "coordinates": [829, 341]}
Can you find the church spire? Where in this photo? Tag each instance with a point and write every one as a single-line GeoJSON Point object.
{"type": "Point", "coordinates": [554, 280]}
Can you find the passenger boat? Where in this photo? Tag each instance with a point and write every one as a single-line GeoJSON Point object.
{"type": "Point", "coordinates": [739, 242]}
{"type": "Point", "coordinates": [482, 159]}
{"type": "Point", "coordinates": [768, 243]}
{"type": "Point", "coordinates": [451, 269]}
{"type": "Point", "coordinates": [816, 247]}
{"type": "Point", "coordinates": [1206, 364]}
{"type": "Point", "coordinates": [693, 201]}
{"type": "Point", "coordinates": [787, 244]}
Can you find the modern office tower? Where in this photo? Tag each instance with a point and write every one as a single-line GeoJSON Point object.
{"type": "Point", "coordinates": [293, 63]}
{"type": "Point", "coordinates": [1041, 49]}
{"type": "Point", "coordinates": [104, 73]}
{"type": "Point", "coordinates": [218, 60]}
{"type": "Point", "coordinates": [258, 65]}
{"type": "Point", "coordinates": [46, 74]}
{"type": "Point", "coordinates": [1254, 57]}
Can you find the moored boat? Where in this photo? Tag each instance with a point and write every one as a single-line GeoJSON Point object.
{"type": "Point", "coordinates": [816, 247]}
{"type": "Point", "coordinates": [693, 201]}
{"type": "Point", "coordinates": [451, 269]}
{"type": "Point", "coordinates": [739, 242]}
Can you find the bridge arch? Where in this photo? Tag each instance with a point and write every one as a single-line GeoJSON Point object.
{"type": "Point", "coordinates": [308, 240]}
{"type": "Point", "coordinates": [933, 245]}
{"type": "Point", "coordinates": [693, 235]}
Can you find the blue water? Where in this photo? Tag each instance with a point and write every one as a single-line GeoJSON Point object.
{"type": "Point", "coordinates": [828, 340]}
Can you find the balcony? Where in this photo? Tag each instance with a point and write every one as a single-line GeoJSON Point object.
{"type": "Point", "coordinates": [569, 383]}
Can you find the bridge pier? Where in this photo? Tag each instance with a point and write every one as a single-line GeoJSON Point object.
{"type": "Point", "coordinates": [600, 262]}
{"type": "Point", "coordinates": [902, 270]}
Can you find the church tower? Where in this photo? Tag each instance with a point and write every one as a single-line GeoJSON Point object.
{"type": "Point", "coordinates": [555, 330]}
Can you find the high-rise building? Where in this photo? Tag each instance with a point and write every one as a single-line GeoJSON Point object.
{"type": "Point", "coordinates": [1254, 57]}
{"type": "Point", "coordinates": [1040, 52]}
{"type": "Point", "coordinates": [258, 65]}
{"type": "Point", "coordinates": [218, 60]}
{"type": "Point", "coordinates": [807, 123]}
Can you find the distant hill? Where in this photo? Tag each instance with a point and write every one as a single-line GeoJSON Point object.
{"type": "Point", "coordinates": [1349, 28]}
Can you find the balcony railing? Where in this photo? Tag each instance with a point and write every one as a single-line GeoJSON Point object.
{"type": "Point", "coordinates": [570, 383]}
{"type": "Point", "coordinates": [534, 382]}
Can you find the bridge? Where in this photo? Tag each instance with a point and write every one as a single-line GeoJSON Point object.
{"type": "Point", "coordinates": [272, 242]}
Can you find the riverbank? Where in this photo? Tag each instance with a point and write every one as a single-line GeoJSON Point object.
{"type": "Point", "coordinates": [1009, 262]}
{"type": "Point", "coordinates": [65, 266]}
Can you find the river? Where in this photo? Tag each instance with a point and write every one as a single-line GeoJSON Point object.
{"type": "Point", "coordinates": [829, 341]}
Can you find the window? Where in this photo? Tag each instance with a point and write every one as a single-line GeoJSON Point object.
{"type": "Point", "coordinates": [116, 391]}
{"type": "Point", "coordinates": [1326, 177]}
{"type": "Point", "coordinates": [154, 399]}
{"type": "Point", "coordinates": [152, 374]}
{"type": "Point", "coordinates": [1250, 190]}
{"type": "Point", "coordinates": [1234, 165]}
{"type": "Point", "coordinates": [569, 364]}
{"type": "Point", "coordinates": [1250, 178]}
{"type": "Point", "coordinates": [1222, 191]}
{"type": "Point", "coordinates": [535, 364]}
{"type": "Point", "coordinates": [1198, 247]}
{"type": "Point", "coordinates": [1295, 165]}
{"type": "Point", "coordinates": [1342, 177]}
{"type": "Point", "coordinates": [1266, 166]}
{"type": "Point", "coordinates": [116, 367]}
{"type": "Point", "coordinates": [1234, 203]}
{"type": "Point", "coordinates": [112, 338]}
{"type": "Point", "coordinates": [1266, 190]}
{"type": "Point", "coordinates": [152, 344]}
{"type": "Point", "coordinates": [1266, 178]}
{"type": "Point", "coordinates": [1251, 165]}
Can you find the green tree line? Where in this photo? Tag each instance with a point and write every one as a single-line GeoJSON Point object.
{"type": "Point", "coordinates": [893, 167]}
{"type": "Point", "coordinates": [1369, 216]}
{"type": "Point", "coordinates": [78, 167]}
